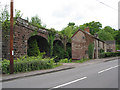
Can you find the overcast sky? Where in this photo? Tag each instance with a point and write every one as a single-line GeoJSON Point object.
{"type": "Point", "coordinates": [58, 13]}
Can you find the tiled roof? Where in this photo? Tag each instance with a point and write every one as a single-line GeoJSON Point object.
{"type": "Point", "coordinates": [88, 34]}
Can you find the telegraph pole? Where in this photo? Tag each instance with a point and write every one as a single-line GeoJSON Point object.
{"type": "Point", "coordinates": [11, 38]}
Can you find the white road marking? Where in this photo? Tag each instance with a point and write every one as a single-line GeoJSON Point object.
{"type": "Point", "coordinates": [70, 82]}
{"type": "Point", "coordinates": [107, 69]}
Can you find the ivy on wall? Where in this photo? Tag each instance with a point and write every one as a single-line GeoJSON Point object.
{"type": "Point", "coordinates": [90, 50]}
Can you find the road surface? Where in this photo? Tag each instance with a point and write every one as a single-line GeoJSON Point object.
{"type": "Point", "coordinates": [101, 75]}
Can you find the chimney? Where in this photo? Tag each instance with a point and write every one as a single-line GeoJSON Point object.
{"type": "Point", "coordinates": [87, 29]}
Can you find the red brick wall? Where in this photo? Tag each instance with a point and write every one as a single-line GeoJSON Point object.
{"type": "Point", "coordinates": [22, 32]}
{"type": "Point", "coordinates": [80, 43]}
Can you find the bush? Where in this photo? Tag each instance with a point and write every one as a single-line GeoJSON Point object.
{"type": "Point", "coordinates": [59, 51]}
{"type": "Point", "coordinates": [25, 64]}
{"type": "Point", "coordinates": [65, 60]}
{"type": "Point", "coordinates": [109, 54]}
{"type": "Point", "coordinates": [33, 49]}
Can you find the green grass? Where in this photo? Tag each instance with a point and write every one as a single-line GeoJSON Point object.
{"type": "Point", "coordinates": [80, 61]}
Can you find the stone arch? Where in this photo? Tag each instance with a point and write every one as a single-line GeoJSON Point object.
{"type": "Point", "coordinates": [58, 48]}
{"type": "Point", "coordinates": [41, 41]}
{"type": "Point", "coordinates": [68, 50]}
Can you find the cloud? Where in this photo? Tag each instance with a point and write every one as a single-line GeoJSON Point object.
{"type": "Point", "coordinates": [58, 13]}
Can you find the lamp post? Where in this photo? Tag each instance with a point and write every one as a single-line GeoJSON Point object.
{"type": "Point", "coordinates": [11, 38]}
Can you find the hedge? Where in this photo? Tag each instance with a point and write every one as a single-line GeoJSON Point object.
{"type": "Point", "coordinates": [109, 54]}
{"type": "Point", "coordinates": [27, 65]}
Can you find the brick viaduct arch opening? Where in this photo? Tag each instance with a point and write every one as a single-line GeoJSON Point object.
{"type": "Point", "coordinates": [68, 49]}
{"type": "Point", "coordinates": [41, 42]}
{"type": "Point", "coordinates": [58, 47]}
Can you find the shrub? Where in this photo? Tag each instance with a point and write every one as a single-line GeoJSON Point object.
{"type": "Point", "coordinates": [33, 49]}
{"type": "Point", "coordinates": [109, 54]}
{"type": "Point", "coordinates": [59, 51]}
{"type": "Point", "coordinates": [25, 64]}
{"type": "Point", "coordinates": [65, 60]}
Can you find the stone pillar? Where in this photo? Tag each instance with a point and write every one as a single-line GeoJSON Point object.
{"type": "Point", "coordinates": [105, 49]}
{"type": "Point", "coordinates": [0, 43]}
{"type": "Point", "coordinates": [97, 49]}
{"type": "Point", "coordinates": [65, 42]}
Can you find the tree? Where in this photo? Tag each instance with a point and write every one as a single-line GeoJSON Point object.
{"type": "Point", "coordinates": [51, 38]}
{"type": "Point", "coordinates": [109, 29]}
{"type": "Point", "coordinates": [18, 13]}
{"type": "Point", "coordinates": [117, 37]}
{"type": "Point", "coordinates": [35, 20]}
{"type": "Point", "coordinates": [94, 26]}
{"type": "Point", "coordinates": [71, 24]}
{"type": "Point", "coordinates": [70, 30]}
{"type": "Point", "coordinates": [82, 27]}
{"type": "Point", "coordinates": [4, 15]}
{"type": "Point", "coordinates": [103, 35]}
{"type": "Point", "coordinates": [33, 49]}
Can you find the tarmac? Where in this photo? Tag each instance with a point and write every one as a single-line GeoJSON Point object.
{"type": "Point", "coordinates": [65, 66]}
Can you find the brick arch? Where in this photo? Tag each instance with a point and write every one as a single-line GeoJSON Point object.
{"type": "Point", "coordinates": [41, 41]}
{"type": "Point", "coordinates": [21, 36]}
{"type": "Point", "coordinates": [58, 39]}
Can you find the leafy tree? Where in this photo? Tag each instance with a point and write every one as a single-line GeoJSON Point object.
{"type": "Point", "coordinates": [103, 35]}
{"type": "Point", "coordinates": [51, 38]}
{"type": "Point", "coordinates": [69, 30]}
{"type": "Point", "coordinates": [82, 27]}
{"type": "Point", "coordinates": [4, 15]}
{"type": "Point", "coordinates": [71, 24]}
{"type": "Point", "coordinates": [94, 26]}
{"type": "Point", "coordinates": [36, 21]}
{"type": "Point", "coordinates": [59, 51]}
{"type": "Point", "coordinates": [117, 37]}
{"type": "Point", "coordinates": [33, 49]}
{"type": "Point", "coordinates": [18, 13]}
{"type": "Point", "coordinates": [109, 29]}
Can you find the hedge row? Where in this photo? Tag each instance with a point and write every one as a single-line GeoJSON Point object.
{"type": "Point", "coordinates": [109, 54]}
{"type": "Point", "coordinates": [27, 65]}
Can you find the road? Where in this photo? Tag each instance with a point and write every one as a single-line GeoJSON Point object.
{"type": "Point", "coordinates": [101, 75]}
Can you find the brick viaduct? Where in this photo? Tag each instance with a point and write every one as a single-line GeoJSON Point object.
{"type": "Point", "coordinates": [23, 31]}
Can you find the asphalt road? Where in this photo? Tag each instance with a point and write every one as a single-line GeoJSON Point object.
{"type": "Point", "coordinates": [102, 75]}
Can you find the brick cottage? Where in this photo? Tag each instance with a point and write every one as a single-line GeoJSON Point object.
{"type": "Point", "coordinates": [81, 40]}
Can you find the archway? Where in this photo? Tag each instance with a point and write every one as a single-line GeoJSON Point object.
{"type": "Point", "coordinates": [58, 49]}
{"type": "Point", "coordinates": [68, 50]}
{"type": "Point", "coordinates": [37, 43]}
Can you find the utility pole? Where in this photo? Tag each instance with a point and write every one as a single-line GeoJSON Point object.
{"type": "Point", "coordinates": [11, 38]}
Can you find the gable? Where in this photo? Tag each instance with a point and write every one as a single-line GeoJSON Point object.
{"type": "Point", "coordinates": [79, 37]}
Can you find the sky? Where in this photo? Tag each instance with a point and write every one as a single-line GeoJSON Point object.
{"type": "Point", "coordinates": [58, 13]}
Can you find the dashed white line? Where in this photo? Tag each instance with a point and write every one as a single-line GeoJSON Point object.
{"type": "Point", "coordinates": [70, 82]}
{"type": "Point", "coordinates": [107, 69]}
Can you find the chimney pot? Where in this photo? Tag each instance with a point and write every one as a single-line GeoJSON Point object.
{"type": "Point", "coordinates": [87, 29]}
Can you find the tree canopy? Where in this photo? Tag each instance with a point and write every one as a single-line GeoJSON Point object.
{"type": "Point", "coordinates": [94, 26]}
{"type": "Point", "coordinates": [104, 35]}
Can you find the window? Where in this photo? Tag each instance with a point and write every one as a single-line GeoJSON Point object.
{"type": "Point", "coordinates": [86, 52]}
{"type": "Point", "coordinates": [83, 37]}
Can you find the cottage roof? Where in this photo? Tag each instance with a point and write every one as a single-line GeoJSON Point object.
{"type": "Point", "coordinates": [87, 34]}
{"type": "Point", "coordinates": [110, 42]}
